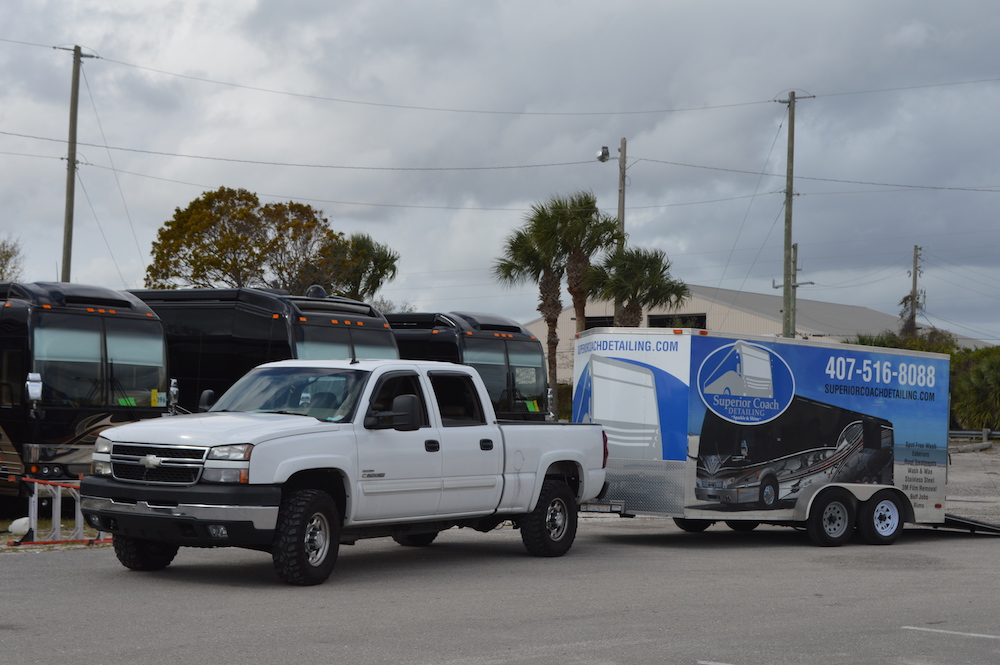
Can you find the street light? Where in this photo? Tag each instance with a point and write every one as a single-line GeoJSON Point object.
{"type": "Point", "coordinates": [604, 155]}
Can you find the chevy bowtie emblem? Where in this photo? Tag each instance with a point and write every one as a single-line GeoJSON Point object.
{"type": "Point", "coordinates": [151, 461]}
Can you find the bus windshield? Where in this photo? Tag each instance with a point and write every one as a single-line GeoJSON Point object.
{"type": "Point", "coordinates": [99, 361]}
{"type": "Point", "coordinates": [325, 343]}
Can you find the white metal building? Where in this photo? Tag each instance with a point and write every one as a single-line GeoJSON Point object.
{"type": "Point", "coordinates": [738, 312]}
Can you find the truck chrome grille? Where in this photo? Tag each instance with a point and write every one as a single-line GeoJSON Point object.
{"type": "Point", "coordinates": [168, 465]}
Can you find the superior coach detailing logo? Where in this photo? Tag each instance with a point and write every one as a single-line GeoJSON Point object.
{"type": "Point", "coordinates": [745, 383]}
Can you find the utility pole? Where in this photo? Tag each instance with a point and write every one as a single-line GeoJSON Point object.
{"type": "Point", "coordinates": [74, 98]}
{"type": "Point", "coordinates": [788, 299]}
{"type": "Point", "coordinates": [788, 295]}
{"type": "Point", "coordinates": [914, 293]}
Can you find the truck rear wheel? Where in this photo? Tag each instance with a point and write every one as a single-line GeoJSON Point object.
{"type": "Point", "coordinates": [880, 520]}
{"type": "Point", "coordinates": [146, 555]}
{"type": "Point", "coordinates": [549, 529]}
{"type": "Point", "coordinates": [831, 519]}
{"type": "Point", "coordinates": [306, 538]}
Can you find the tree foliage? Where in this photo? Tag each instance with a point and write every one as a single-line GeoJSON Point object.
{"type": "Point", "coordinates": [11, 259]}
{"type": "Point", "coordinates": [636, 278]}
{"type": "Point", "coordinates": [370, 265]}
{"type": "Point", "coordinates": [576, 231]}
{"type": "Point", "coordinates": [525, 260]}
{"type": "Point", "coordinates": [975, 390]}
{"type": "Point", "coordinates": [226, 238]}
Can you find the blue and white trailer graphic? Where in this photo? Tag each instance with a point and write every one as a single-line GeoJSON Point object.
{"type": "Point", "coordinates": [708, 427]}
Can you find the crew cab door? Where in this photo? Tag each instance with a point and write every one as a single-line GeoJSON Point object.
{"type": "Point", "coordinates": [471, 449]}
{"type": "Point", "coordinates": [399, 472]}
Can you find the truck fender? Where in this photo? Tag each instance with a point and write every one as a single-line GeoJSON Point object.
{"type": "Point", "coordinates": [559, 463]}
{"type": "Point", "coordinates": [860, 491]}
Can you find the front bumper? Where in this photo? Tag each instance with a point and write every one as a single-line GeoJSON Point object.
{"type": "Point", "coordinates": [727, 495]}
{"type": "Point", "coordinates": [239, 515]}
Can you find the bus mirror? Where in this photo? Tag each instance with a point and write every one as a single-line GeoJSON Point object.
{"type": "Point", "coordinates": [173, 396]}
{"type": "Point", "coordinates": [34, 387]}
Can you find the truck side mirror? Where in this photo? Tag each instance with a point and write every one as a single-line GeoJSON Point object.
{"type": "Point", "coordinates": [206, 400]}
{"type": "Point", "coordinates": [405, 413]}
{"type": "Point", "coordinates": [403, 417]}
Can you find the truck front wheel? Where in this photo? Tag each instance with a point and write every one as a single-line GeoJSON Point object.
{"type": "Point", "coordinates": [549, 529]}
{"type": "Point", "coordinates": [146, 555]}
{"type": "Point", "coordinates": [306, 538]}
{"type": "Point", "coordinates": [831, 519]}
{"type": "Point", "coordinates": [880, 520]}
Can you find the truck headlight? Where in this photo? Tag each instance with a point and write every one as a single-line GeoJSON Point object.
{"type": "Point", "coordinates": [102, 445]}
{"type": "Point", "coordinates": [100, 468]}
{"type": "Point", "coordinates": [236, 451]}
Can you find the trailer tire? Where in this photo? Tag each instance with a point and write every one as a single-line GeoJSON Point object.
{"type": "Point", "coordinates": [306, 538]}
{"type": "Point", "coordinates": [742, 525]}
{"type": "Point", "coordinates": [549, 529]}
{"type": "Point", "coordinates": [831, 519]}
{"type": "Point", "coordinates": [768, 498]}
{"type": "Point", "coordinates": [145, 555]}
{"type": "Point", "coordinates": [415, 539]}
{"type": "Point", "coordinates": [880, 519]}
{"type": "Point", "coordinates": [692, 526]}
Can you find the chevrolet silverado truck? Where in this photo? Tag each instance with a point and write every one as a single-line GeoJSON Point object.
{"type": "Point", "coordinates": [299, 457]}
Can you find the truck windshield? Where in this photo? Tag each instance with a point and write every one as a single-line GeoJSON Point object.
{"type": "Point", "coordinates": [325, 343]}
{"type": "Point", "coordinates": [99, 361]}
{"type": "Point", "coordinates": [325, 394]}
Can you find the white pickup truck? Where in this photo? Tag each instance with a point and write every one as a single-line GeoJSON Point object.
{"type": "Point", "coordinates": [301, 456]}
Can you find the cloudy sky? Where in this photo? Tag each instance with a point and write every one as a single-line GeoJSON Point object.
{"type": "Point", "coordinates": [435, 125]}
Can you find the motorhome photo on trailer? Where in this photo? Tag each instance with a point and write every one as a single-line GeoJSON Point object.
{"type": "Point", "coordinates": [74, 360]}
{"type": "Point", "coordinates": [709, 427]}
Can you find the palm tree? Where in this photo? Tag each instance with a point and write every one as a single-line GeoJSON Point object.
{"type": "Point", "coordinates": [374, 264]}
{"type": "Point", "coordinates": [637, 278]}
{"type": "Point", "coordinates": [524, 260]}
{"type": "Point", "coordinates": [579, 232]}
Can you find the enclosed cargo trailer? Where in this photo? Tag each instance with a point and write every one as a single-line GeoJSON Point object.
{"type": "Point", "coordinates": [707, 427]}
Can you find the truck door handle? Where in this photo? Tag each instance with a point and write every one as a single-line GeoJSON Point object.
{"type": "Point", "coordinates": [486, 444]}
{"type": "Point", "coordinates": [432, 446]}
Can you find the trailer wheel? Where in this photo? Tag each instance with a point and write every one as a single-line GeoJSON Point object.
{"type": "Point", "coordinates": [769, 493]}
{"type": "Point", "coordinates": [831, 520]}
{"type": "Point", "coordinates": [415, 539]}
{"type": "Point", "coordinates": [742, 525]}
{"type": "Point", "coordinates": [306, 538]}
{"type": "Point", "coordinates": [146, 555]}
{"type": "Point", "coordinates": [549, 529]}
{"type": "Point", "coordinates": [880, 520]}
{"type": "Point", "coordinates": [692, 526]}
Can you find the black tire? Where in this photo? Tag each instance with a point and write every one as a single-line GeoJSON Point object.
{"type": "Point", "coordinates": [742, 525]}
{"type": "Point", "coordinates": [549, 529]}
{"type": "Point", "coordinates": [768, 497]}
{"type": "Point", "coordinates": [692, 526]}
{"type": "Point", "coordinates": [415, 539]}
{"type": "Point", "coordinates": [880, 519]}
{"type": "Point", "coordinates": [831, 518]}
{"type": "Point", "coordinates": [306, 538]}
{"type": "Point", "coordinates": [145, 555]}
